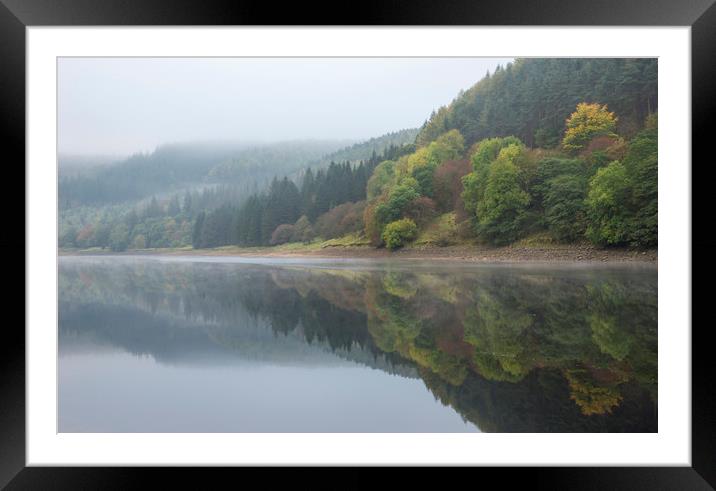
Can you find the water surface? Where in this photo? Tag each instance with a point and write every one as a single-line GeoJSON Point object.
{"type": "Point", "coordinates": [169, 344]}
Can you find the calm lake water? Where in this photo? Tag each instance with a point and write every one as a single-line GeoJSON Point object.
{"type": "Point", "coordinates": [160, 344]}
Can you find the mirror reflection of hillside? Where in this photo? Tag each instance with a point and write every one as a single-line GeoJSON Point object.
{"type": "Point", "coordinates": [511, 349]}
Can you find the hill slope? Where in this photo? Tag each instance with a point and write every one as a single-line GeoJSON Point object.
{"type": "Point", "coordinates": [531, 99]}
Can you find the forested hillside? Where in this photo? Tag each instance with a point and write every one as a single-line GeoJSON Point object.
{"type": "Point", "coordinates": [597, 186]}
{"type": "Point", "coordinates": [327, 202]}
{"type": "Point", "coordinates": [532, 97]}
{"type": "Point", "coordinates": [562, 150]}
{"type": "Point", "coordinates": [153, 200]}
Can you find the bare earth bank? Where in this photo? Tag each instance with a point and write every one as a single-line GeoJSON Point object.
{"type": "Point", "coordinates": [551, 253]}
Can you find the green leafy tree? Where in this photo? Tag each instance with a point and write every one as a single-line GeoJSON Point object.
{"type": "Point", "coordinates": [550, 167]}
{"type": "Point", "coordinates": [398, 199]}
{"type": "Point", "coordinates": [564, 207]}
{"type": "Point", "coordinates": [119, 238]}
{"type": "Point", "coordinates": [424, 177]}
{"type": "Point", "coordinates": [448, 146]}
{"type": "Point", "coordinates": [608, 216]}
{"type": "Point", "coordinates": [422, 163]}
{"type": "Point", "coordinates": [399, 232]}
{"type": "Point", "coordinates": [382, 176]}
{"type": "Point", "coordinates": [501, 212]}
{"type": "Point", "coordinates": [474, 183]}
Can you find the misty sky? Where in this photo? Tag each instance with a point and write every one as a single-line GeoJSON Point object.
{"type": "Point", "coordinates": [125, 105]}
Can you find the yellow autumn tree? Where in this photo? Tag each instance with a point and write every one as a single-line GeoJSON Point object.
{"type": "Point", "coordinates": [588, 121]}
{"type": "Point", "coordinates": [591, 398]}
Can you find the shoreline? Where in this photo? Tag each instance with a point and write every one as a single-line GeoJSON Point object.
{"type": "Point", "coordinates": [481, 254]}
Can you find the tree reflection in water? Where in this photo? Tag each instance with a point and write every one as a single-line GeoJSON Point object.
{"type": "Point", "coordinates": [511, 349]}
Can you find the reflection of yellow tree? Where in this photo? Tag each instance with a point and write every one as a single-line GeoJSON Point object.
{"type": "Point", "coordinates": [591, 398]}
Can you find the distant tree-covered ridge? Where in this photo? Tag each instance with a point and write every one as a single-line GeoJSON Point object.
{"type": "Point", "coordinates": [369, 148]}
{"type": "Point", "coordinates": [565, 149]}
{"type": "Point", "coordinates": [177, 166]}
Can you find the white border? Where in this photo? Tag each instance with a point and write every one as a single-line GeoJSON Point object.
{"type": "Point", "coordinates": [670, 446]}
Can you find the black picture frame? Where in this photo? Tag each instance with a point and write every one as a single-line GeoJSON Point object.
{"type": "Point", "coordinates": [16, 15]}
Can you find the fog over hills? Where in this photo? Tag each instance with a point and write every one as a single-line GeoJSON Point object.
{"type": "Point", "coordinates": [98, 180]}
{"type": "Point", "coordinates": [127, 105]}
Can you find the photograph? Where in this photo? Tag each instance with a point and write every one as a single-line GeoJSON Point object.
{"type": "Point", "coordinates": [435, 236]}
{"type": "Point", "coordinates": [357, 244]}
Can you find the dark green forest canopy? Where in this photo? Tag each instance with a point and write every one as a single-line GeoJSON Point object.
{"type": "Point", "coordinates": [532, 98]}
